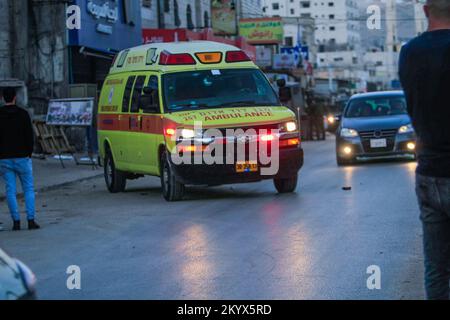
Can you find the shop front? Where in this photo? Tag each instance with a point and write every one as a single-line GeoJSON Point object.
{"type": "Point", "coordinates": [107, 26]}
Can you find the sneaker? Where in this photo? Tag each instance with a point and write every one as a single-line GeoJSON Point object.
{"type": "Point", "coordinates": [16, 226]}
{"type": "Point", "coordinates": [32, 225]}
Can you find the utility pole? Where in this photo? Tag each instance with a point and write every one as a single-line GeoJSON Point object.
{"type": "Point", "coordinates": [391, 37]}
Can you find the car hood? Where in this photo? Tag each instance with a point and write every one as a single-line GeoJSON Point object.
{"type": "Point", "coordinates": [376, 123]}
{"type": "Point", "coordinates": [232, 117]}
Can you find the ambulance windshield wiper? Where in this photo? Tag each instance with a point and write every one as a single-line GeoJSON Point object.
{"type": "Point", "coordinates": [190, 105]}
{"type": "Point", "coordinates": [239, 103]}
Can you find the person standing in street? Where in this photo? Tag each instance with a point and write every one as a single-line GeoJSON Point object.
{"type": "Point", "coordinates": [16, 148]}
{"type": "Point", "coordinates": [315, 112]}
{"type": "Point", "coordinates": [424, 70]}
{"type": "Point", "coordinates": [284, 93]}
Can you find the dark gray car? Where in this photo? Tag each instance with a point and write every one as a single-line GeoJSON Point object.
{"type": "Point", "coordinates": [17, 281]}
{"type": "Point", "coordinates": [375, 125]}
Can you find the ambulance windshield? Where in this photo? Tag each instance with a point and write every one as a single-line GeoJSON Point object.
{"type": "Point", "coordinates": [217, 89]}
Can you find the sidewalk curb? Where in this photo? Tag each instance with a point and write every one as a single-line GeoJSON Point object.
{"type": "Point", "coordinates": [56, 186]}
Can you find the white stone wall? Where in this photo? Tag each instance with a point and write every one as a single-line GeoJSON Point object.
{"type": "Point", "coordinates": [198, 8]}
{"type": "Point", "coordinates": [335, 19]}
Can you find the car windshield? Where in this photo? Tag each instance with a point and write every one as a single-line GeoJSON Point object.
{"type": "Point", "coordinates": [376, 107]}
{"type": "Point", "coordinates": [216, 89]}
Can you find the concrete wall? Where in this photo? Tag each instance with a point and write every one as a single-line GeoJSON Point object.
{"type": "Point", "coordinates": [33, 48]}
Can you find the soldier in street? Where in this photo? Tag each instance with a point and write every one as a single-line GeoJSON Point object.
{"type": "Point", "coordinates": [316, 112]}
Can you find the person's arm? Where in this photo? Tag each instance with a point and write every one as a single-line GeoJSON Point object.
{"type": "Point", "coordinates": [29, 135]}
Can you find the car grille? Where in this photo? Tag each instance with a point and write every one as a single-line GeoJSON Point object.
{"type": "Point", "coordinates": [388, 134]}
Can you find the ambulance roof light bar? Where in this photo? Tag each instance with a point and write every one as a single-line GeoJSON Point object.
{"type": "Point", "coordinates": [167, 58]}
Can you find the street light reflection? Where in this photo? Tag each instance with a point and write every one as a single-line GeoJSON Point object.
{"type": "Point", "coordinates": [196, 268]}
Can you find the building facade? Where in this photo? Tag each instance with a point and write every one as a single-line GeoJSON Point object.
{"type": "Point", "coordinates": [173, 14]}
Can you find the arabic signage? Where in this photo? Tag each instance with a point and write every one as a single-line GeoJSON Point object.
{"type": "Point", "coordinates": [107, 25]}
{"type": "Point", "coordinates": [223, 17]}
{"type": "Point", "coordinates": [262, 30]}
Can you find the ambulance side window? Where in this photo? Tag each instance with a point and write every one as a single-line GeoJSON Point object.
{"type": "Point", "coordinates": [153, 83]}
{"type": "Point", "coordinates": [127, 94]}
{"type": "Point", "coordinates": [138, 86]}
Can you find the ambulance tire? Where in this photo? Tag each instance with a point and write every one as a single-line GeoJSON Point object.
{"type": "Point", "coordinates": [286, 185]}
{"type": "Point", "coordinates": [116, 180]}
{"type": "Point", "coordinates": [172, 190]}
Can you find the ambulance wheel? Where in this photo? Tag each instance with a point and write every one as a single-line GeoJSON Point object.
{"type": "Point", "coordinates": [116, 180]}
{"type": "Point", "coordinates": [286, 185]}
{"type": "Point", "coordinates": [171, 188]}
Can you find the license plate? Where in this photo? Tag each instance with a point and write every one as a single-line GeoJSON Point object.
{"type": "Point", "coordinates": [246, 166]}
{"type": "Point", "coordinates": [378, 143]}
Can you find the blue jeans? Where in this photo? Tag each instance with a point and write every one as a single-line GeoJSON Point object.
{"type": "Point", "coordinates": [22, 168]}
{"type": "Point", "coordinates": [434, 201]}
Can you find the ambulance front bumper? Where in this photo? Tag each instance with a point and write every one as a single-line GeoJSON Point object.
{"type": "Point", "coordinates": [290, 162]}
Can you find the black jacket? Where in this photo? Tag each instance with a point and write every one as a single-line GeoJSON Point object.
{"type": "Point", "coordinates": [425, 77]}
{"type": "Point", "coordinates": [16, 133]}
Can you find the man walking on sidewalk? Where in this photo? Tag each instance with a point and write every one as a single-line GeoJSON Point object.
{"type": "Point", "coordinates": [425, 76]}
{"type": "Point", "coordinates": [16, 147]}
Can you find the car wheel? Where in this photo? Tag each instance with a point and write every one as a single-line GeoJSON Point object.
{"type": "Point", "coordinates": [171, 188]}
{"type": "Point", "coordinates": [286, 185]}
{"type": "Point", "coordinates": [116, 180]}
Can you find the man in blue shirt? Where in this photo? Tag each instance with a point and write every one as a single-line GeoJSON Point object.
{"type": "Point", "coordinates": [425, 77]}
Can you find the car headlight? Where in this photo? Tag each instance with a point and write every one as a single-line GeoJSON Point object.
{"type": "Point", "coordinates": [406, 129]}
{"type": "Point", "coordinates": [28, 277]}
{"type": "Point", "coordinates": [349, 133]}
{"type": "Point", "coordinates": [290, 126]}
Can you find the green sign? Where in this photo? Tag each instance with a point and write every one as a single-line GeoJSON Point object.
{"type": "Point", "coordinates": [261, 30]}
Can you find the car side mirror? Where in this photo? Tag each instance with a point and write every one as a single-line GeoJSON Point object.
{"type": "Point", "coordinates": [338, 117]}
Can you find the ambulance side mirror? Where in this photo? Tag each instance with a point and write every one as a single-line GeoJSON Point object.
{"type": "Point", "coordinates": [149, 101]}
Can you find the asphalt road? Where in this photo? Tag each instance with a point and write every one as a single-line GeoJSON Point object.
{"type": "Point", "coordinates": [233, 242]}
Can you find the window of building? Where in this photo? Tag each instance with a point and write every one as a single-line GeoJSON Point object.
{"type": "Point", "coordinates": [147, 4]}
{"type": "Point", "coordinates": [166, 6]}
{"type": "Point", "coordinates": [332, 28]}
{"type": "Point", "coordinates": [189, 22]}
{"type": "Point", "coordinates": [275, 6]}
{"type": "Point", "coordinates": [288, 41]}
{"type": "Point", "coordinates": [331, 16]}
{"type": "Point", "coordinates": [206, 19]}
{"type": "Point", "coordinates": [176, 15]}
{"type": "Point", "coordinates": [305, 4]}
{"type": "Point", "coordinates": [292, 11]}
{"type": "Point", "coordinates": [331, 4]}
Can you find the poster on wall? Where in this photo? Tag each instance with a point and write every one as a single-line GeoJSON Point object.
{"type": "Point", "coordinates": [262, 30]}
{"type": "Point", "coordinates": [223, 17]}
{"type": "Point", "coordinates": [70, 112]}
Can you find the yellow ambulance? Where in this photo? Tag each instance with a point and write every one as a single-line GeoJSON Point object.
{"type": "Point", "coordinates": [160, 103]}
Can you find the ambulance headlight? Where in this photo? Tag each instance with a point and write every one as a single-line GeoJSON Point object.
{"type": "Point", "coordinates": [187, 134]}
{"type": "Point", "coordinates": [290, 126]}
